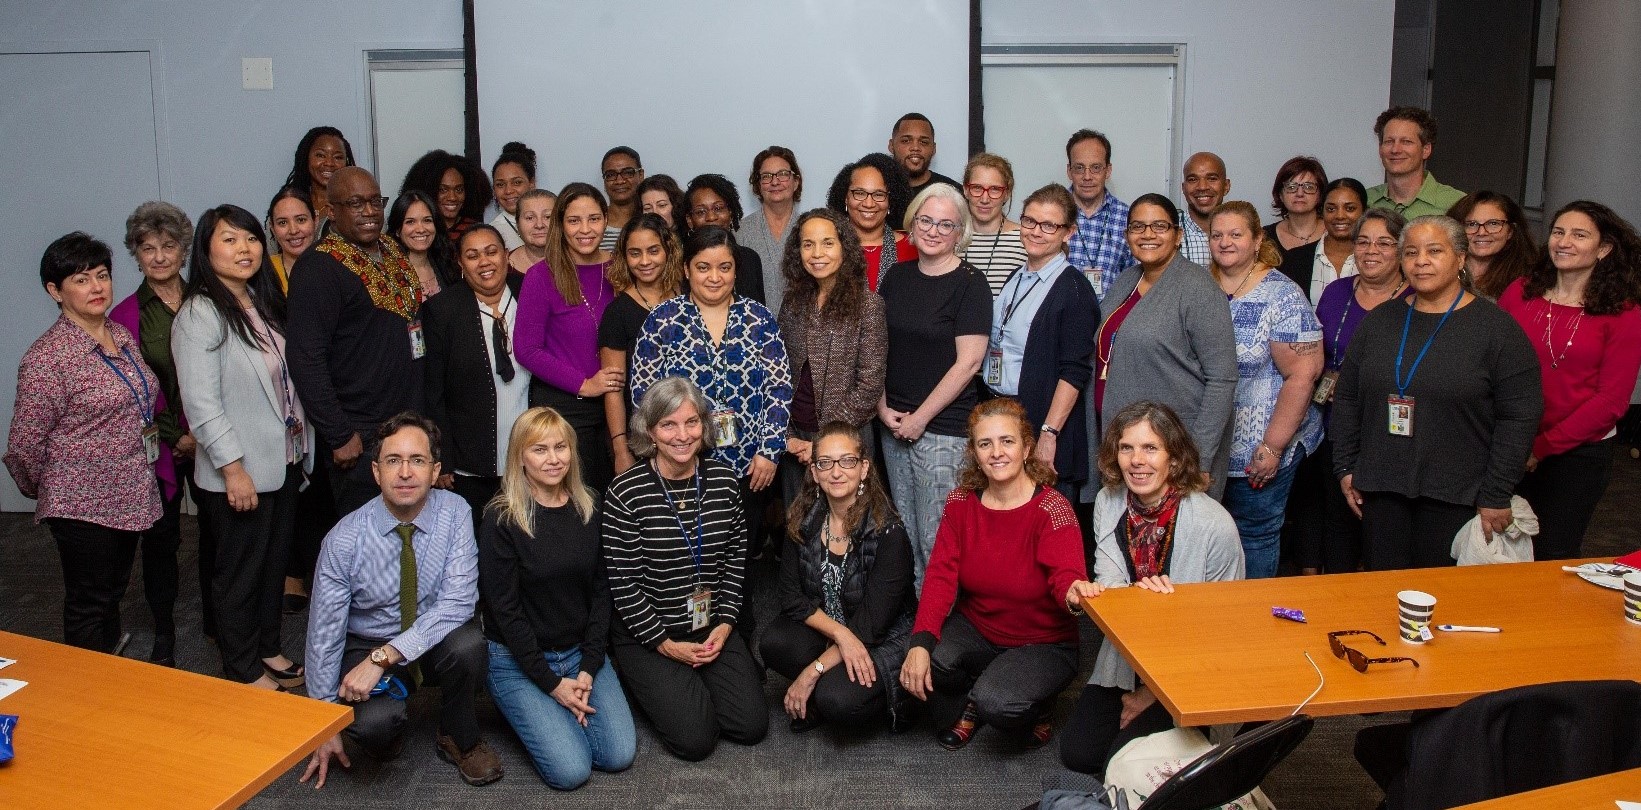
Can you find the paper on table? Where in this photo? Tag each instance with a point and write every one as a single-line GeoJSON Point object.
{"type": "Point", "coordinates": [6, 662]}
{"type": "Point", "coordinates": [9, 685]}
{"type": "Point", "coordinates": [1629, 805]}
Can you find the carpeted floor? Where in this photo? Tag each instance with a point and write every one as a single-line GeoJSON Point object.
{"type": "Point", "coordinates": [818, 769]}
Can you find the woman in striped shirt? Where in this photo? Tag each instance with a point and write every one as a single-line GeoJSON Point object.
{"type": "Point", "coordinates": [996, 249]}
{"type": "Point", "coordinates": [675, 547]}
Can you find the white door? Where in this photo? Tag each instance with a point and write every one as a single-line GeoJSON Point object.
{"type": "Point", "coordinates": [417, 104]}
{"type": "Point", "coordinates": [81, 154]}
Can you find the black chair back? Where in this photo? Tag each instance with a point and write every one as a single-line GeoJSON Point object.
{"type": "Point", "coordinates": [1233, 768]}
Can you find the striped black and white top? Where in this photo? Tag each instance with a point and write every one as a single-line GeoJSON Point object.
{"type": "Point", "coordinates": [997, 255]}
{"type": "Point", "coordinates": [651, 570]}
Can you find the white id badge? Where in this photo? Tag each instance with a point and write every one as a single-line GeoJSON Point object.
{"type": "Point", "coordinates": [700, 609]}
{"type": "Point", "coordinates": [293, 440]}
{"type": "Point", "coordinates": [994, 365]}
{"type": "Point", "coordinates": [726, 425]}
{"type": "Point", "coordinates": [151, 443]}
{"type": "Point", "coordinates": [418, 343]}
{"type": "Point", "coordinates": [1401, 416]}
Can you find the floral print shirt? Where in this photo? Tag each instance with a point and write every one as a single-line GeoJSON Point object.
{"type": "Point", "coordinates": [1274, 311]}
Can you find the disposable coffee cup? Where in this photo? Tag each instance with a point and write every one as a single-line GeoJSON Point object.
{"type": "Point", "coordinates": [1632, 598]}
{"type": "Point", "coordinates": [1414, 609]}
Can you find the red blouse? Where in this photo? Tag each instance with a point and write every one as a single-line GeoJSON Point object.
{"type": "Point", "coordinates": [904, 252]}
{"type": "Point", "coordinates": [1588, 364]}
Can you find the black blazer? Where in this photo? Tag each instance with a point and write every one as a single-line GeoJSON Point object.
{"type": "Point", "coordinates": [1297, 263]}
{"type": "Point", "coordinates": [460, 378]}
{"type": "Point", "coordinates": [1060, 346]}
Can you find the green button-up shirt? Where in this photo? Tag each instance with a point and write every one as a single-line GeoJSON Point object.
{"type": "Point", "coordinates": [154, 339]}
{"type": "Point", "coordinates": [1433, 198]}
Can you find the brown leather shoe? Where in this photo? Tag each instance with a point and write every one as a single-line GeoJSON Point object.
{"type": "Point", "coordinates": [478, 766]}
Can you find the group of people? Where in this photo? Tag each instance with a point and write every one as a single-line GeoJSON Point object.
{"type": "Point", "coordinates": [587, 413]}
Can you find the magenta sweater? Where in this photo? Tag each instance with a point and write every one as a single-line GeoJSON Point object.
{"type": "Point", "coordinates": [556, 342]}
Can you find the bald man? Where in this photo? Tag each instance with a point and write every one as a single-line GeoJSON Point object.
{"type": "Point", "coordinates": [1206, 184]}
{"type": "Point", "coordinates": [354, 341]}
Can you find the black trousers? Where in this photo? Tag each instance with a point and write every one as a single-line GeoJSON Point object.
{"type": "Point", "coordinates": [477, 490]}
{"type": "Point", "coordinates": [790, 647]}
{"type": "Point", "coordinates": [158, 546]}
{"type": "Point", "coordinates": [353, 487]}
{"type": "Point", "coordinates": [249, 582]}
{"type": "Point", "coordinates": [1092, 735]}
{"type": "Point", "coordinates": [459, 663]}
{"type": "Point", "coordinates": [315, 515]}
{"type": "Point", "coordinates": [1564, 492]}
{"type": "Point", "coordinates": [1401, 532]}
{"type": "Point", "coordinates": [1327, 535]}
{"type": "Point", "coordinates": [1011, 687]}
{"type": "Point", "coordinates": [691, 707]}
{"type": "Point", "coordinates": [96, 571]}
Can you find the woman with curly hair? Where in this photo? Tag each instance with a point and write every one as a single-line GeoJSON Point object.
{"type": "Point", "coordinates": [846, 599]}
{"type": "Point", "coordinates": [1501, 241]}
{"type": "Point", "coordinates": [319, 155]}
{"type": "Point", "coordinates": [1578, 307]}
{"type": "Point", "coordinates": [1006, 533]}
{"type": "Point", "coordinates": [837, 340]}
{"type": "Point", "coordinates": [874, 194]}
{"type": "Point", "coordinates": [457, 184]}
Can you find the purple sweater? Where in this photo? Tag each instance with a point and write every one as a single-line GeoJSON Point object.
{"type": "Point", "coordinates": [556, 342]}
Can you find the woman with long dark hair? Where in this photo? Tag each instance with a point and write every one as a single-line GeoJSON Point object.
{"type": "Point", "coordinates": [1578, 305]}
{"type": "Point", "coordinates": [429, 249]}
{"type": "Point", "coordinates": [229, 340]}
{"type": "Point", "coordinates": [320, 153]}
{"type": "Point", "coordinates": [293, 227]}
{"type": "Point", "coordinates": [648, 268]}
{"type": "Point", "coordinates": [1501, 241]}
{"type": "Point", "coordinates": [458, 186]}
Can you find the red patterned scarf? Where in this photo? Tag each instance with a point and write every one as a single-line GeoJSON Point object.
{"type": "Point", "coordinates": [392, 285]}
{"type": "Point", "coordinates": [1149, 534]}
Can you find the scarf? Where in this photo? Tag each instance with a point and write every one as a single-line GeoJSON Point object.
{"type": "Point", "coordinates": [392, 285]}
{"type": "Point", "coordinates": [1147, 533]}
{"type": "Point", "coordinates": [886, 257]}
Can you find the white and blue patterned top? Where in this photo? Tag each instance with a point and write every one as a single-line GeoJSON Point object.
{"type": "Point", "coordinates": [1099, 248]}
{"type": "Point", "coordinates": [746, 373]}
{"type": "Point", "coordinates": [1274, 311]}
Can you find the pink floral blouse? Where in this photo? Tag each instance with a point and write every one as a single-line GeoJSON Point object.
{"type": "Point", "coordinates": [76, 433]}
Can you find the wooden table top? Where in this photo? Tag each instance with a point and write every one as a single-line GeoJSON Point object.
{"type": "Point", "coordinates": [1213, 653]}
{"type": "Point", "coordinates": [97, 730]}
{"type": "Point", "coordinates": [1592, 793]}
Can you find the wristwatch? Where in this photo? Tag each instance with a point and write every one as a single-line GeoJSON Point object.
{"type": "Point", "coordinates": [1050, 430]}
{"type": "Point", "coordinates": [380, 658]}
{"type": "Point", "coordinates": [820, 669]}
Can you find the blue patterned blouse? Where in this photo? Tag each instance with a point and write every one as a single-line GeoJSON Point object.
{"type": "Point", "coordinates": [746, 373]}
{"type": "Point", "coordinates": [1274, 311]}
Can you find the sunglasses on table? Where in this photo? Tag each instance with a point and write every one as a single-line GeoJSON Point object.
{"type": "Point", "coordinates": [1357, 658]}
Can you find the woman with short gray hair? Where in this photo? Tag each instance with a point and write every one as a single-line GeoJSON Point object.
{"type": "Point", "coordinates": [675, 548]}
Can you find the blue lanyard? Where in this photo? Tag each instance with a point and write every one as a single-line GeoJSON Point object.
{"type": "Point", "coordinates": [145, 403]}
{"type": "Point", "coordinates": [1401, 385]}
{"type": "Point", "coordinates": [695, 543]}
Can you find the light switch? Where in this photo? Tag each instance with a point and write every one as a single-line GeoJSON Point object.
{"type": "Point", "coordinates": [256, 73]}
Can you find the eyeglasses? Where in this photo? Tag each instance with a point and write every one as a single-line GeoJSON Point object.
{"type": "Point", "coordinates": [941, 227]}
{"type": "Point", "coordinates": [985, 192]}
{"type": "Point", "coordinates": [1079, 169]}
{"type": "Point", "coordinates": [768, 178]}
{"type": "Point", "coordinates": [847, 462]}
{"type": "Point", "coordinates": [1489, 227]}
{"type": "Point", "coordinates": [1048, 228]}
{"type": "Point", "coordinates": [862, 194]}
{"type": "Point", "coordinates": [417, 463]}
{"type": "Point", "coordinates": [1357, 659]}
{"type": "Point", "coordinates": [1295, 188]}
{"type": "Point", "coordinates": [621, 174]}
{"type": "Point", "coordinates": [1381, 245]}
{"type": "Point", "coordinates": [703, 211]}
{"type": "Point", "coordinates": [358, 204]}
{"type": "Point", "coordinates": [1160, 226]}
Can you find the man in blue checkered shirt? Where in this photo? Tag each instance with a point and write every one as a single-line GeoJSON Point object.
{"type": "Point", "coordinates": [1098, 248]}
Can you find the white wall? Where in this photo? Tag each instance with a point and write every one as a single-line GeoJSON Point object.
{"type": "Point", "coordinates": [703, 87]}
{"type": "Point", "coordinates": [1265, 79]}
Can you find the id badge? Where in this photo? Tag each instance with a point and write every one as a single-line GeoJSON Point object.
{"type": "Point", "coordinates": [293, 440]}
{"type": "Point", "coordinates": [994, 365]}
{"type": "Point", "coordinates": [1401, 416]}
{"type": "Point", "coordinates": [700, 609]}
{"type": "Point", "coordinates": [418, 343]}
{"type": "Point", "coordinates": [151, 442]}
{"type": "Point", "coordinates": [726, 425]}
{"type": "Point", "coordinates": [1324, 388]}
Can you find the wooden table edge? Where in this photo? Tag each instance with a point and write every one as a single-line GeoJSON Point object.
{"type": "Point", "coordinates": [1555, 795]}
{"type": "Point", "coordinates": [342, 720]}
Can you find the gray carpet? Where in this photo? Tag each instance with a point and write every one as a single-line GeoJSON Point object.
{"type": "Point", "coordinates": [819, 769]}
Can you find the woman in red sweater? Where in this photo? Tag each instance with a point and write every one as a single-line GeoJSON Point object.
{"type": "Point", "coordinates": [1579, 307]}
{"type": "Point", "coordinates": [1009, 556]}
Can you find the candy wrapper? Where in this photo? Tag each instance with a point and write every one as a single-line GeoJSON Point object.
{"type": "Point", "coordinates": [1291, 614]}
{"type": "Point", "coordinates": [8, 722]}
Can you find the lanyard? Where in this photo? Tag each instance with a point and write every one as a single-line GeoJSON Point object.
{"type": "Point", "coordinates": [1401, 385]}
{"type": "Point", "coordinates": [284, 373]}
{"type": "Point", "coordinates": [1014, 303]}
{"type": "Point", "coordinates": [145, 403]}
{"type": "Point", "coordinates": [695, 542]}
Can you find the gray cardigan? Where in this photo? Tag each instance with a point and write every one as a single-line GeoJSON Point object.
{"type": "Point", "coordinates": [1206, 549]}
{"type": "Point", "coordinates": [1176, 347]}
{"type": "Point", "coordinates": [229, 399]}
{"type": "Point", "coordinates": [754, 233]}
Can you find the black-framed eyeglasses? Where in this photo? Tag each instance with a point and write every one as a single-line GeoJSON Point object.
{"type": "Point", "coordinates": [847, 462]}
{"type": "Point", "coordinates": [1048, 228]}
{"type": "Point", "coordinates": [942, 227]}
{"type": "Point", "coordinates": [358, 204]}
{"type": "Point", "coordinates": [1489, 227]}
{"type": "Point", "coordinates": [783, 175]}
{"type": "Point", "coordinates": [862, 194]}
{"type": "Point", "coordinates": [1359, 660]}
{"type": "Point", "coordinates": [1160, 226]}
{"type": "Point", "coordinates": [627, 173]}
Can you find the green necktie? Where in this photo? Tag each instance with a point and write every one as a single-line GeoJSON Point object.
{"type": "Point", "coordinates": [407, 576]}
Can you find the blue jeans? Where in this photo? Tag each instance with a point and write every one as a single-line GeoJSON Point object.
{"type": "Point", "coordinates": [563, 752]}
{"type": "Point", "coordinates": [921, 474]}
{"type": "Point", "coordinates": [1258, 514]}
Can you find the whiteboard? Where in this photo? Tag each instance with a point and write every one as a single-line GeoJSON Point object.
{"type": "Point", "coordinates": [415, 108]}
{"type": "Point", "coordinates": [1032, 109]}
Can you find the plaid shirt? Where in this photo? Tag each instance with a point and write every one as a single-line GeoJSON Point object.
{"type": "Point", "coordinates": [1099, 247]}
{"type": "Point", "coordinates": [1195, 245]}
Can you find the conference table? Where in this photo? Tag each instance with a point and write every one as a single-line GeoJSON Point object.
{"type": "Point", "coordinates": [1592, 793]}
{"type": "Point", "coordinates": [98, 730]}
{"type": "Point", "coordinates": [1213, 653]}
